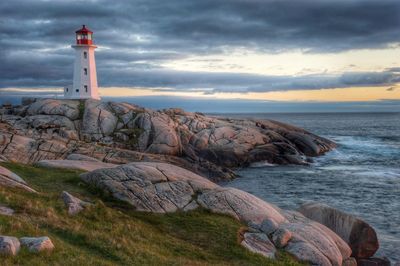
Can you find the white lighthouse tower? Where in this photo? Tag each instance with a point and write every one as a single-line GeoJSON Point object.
{"type": "Point", "coordinates": [85, 77]}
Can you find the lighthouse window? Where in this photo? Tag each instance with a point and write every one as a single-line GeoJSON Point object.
{"type": "Point", "coordinates": [77, 90]}
{"type": "Point", "coordinates": [85, 87]}
{"type": "Point", "coordinates": [85, 55]}
{"type": "Point", "coordinates": [85, 71]}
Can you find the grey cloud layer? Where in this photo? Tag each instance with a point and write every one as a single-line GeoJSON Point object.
{"type": "Point", "coordinates": [168, 30]}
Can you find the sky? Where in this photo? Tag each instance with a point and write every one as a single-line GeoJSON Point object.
{"type": "Point", "coordinates": [211, 55]}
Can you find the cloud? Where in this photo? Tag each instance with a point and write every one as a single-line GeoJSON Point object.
{"type": "Point", "coordinates": [138, 36]}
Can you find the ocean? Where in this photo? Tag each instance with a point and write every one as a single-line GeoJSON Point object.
{"type": "Point", "coordinates": [361, 177]}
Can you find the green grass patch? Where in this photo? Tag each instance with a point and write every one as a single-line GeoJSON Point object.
{"type": "Point", "coordinates": [112, 233]}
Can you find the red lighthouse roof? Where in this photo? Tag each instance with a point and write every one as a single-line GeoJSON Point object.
{"type": "Point", "coordinates": [84, 36]}
{"type": "Point", "coordinates": [83, 30]}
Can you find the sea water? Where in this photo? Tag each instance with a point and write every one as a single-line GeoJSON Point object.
{"type": "Point", "coordinates": [361, 177]}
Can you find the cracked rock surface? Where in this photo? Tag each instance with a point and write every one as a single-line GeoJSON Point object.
{"type": "Point", "coordinates": [50, 129]}
{"type": "Point", "coordinates": [153, 187]}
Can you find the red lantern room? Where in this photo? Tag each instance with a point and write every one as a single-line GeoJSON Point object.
{"type": "Point", "coordinates": [84, 36]}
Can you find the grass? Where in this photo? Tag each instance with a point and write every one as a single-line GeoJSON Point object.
{"type": "Point", "coordinates": [112, 233]}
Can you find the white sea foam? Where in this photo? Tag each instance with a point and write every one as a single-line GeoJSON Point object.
{"type": "Point", "coordinates": [261, 164]}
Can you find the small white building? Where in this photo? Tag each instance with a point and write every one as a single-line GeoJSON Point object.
{"type": "Point", "coordinates": [85, 76]}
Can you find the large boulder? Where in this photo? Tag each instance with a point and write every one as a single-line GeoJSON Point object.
{"type": "Point", "coordinates": [37, 244]}
{"type": "Point", "coordinates": [314, 242]}
{"type": "Point", "coordinates": [10, 179]}
{"type": "Point", "coordinates": [241, 205]}
{"type": "Point", "coordinates": [152, 187]}
{"type": "Point", "coordinates": [98, 121]}
{"type": "Point", "coordinates": [165, 139]}
{"type": "Point", "coordinates": [74, 204]}
{"type": "Point", "coordinates": [9, 245]}
{"type": "Point", "coordinates": [360, 236]}
{"type": "Point", "coordinates": [74, 164]}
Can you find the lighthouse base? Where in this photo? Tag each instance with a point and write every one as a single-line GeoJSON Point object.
{"type": "Point", "coordinates": [68, 94]}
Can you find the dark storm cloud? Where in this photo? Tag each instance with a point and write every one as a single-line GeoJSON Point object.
{"type": "Point", "coordinates": [228, 82]}
{"type": "Point", "coordinates": [140, 35]}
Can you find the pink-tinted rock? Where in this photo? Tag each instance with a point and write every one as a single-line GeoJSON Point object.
{"type": "Point", "coordinates": [37, 244]}
{"type": "Point", "coordinates": [360, 236]}
{"type": "Point", "coordinates": [9, 245]}
{"type": "Point", "coordinates": [259, 243]}
{"type": "Point", "coordinates": [10, 179]}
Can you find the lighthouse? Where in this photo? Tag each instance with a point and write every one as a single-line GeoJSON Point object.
{"type": "Point", "coordinates": [85, 77]}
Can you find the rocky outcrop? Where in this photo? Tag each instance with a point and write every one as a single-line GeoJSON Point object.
{"type": "Point", "coordinates": [74, 204]}
{"type": "Point", "coordinates": [162, 188]}
{"type": "Point", "coordinates": [360, 236]}
{"type": "Point", "coordinates": [9, 179]}
{"type": "Point", "coordinates": [37, 244]}
{"type": "Point", "coordinates": [48, 129]}
{"type": "Point", "coordinates": [9, 245]}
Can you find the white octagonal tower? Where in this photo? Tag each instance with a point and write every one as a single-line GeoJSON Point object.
{"type": "Point", "coordinates": [85, 76]}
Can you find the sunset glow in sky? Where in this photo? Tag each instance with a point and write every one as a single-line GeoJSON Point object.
{"type": "Point", "coordinates": [325, 51]}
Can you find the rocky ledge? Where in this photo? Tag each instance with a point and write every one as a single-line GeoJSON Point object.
{"type": "Point", "coordinates": [117, 133]}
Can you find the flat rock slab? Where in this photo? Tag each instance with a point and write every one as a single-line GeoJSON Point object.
{"type": "Point", "coordinates": [360, 236]}
{"type": "Point", "coordinates": [37, 244]}
{"type": "Point", "coordinates": [9, 245]}
{"type": "Point", "coordinates": [6, 211]}
{"type": "Point", "coordinates": [74, 164]}
{"type": "Point", "coordinates": [259, 243]}
{"type": "Point", "coordinates": [74, 204]}
{"type": "Point", "coordinates": [148, 186]}
{"type": "Point", "coordinates": [10, 179]}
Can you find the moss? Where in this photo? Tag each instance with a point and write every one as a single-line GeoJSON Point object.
{"type": "Point", "coordinates": [112, 233]}
{"type": "Point", "coordinates": [81, 108]}
{"type": "Point", "coordinates": [133, 136]}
